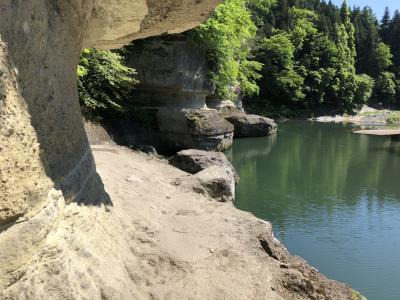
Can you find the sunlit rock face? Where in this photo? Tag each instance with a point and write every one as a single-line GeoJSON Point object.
{"type": "Point", "coordinates": [172, 72]}
{"type": "Point", "coordinates": [43, 145]}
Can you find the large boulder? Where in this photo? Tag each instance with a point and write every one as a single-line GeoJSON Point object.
{"type": "Point", "coordinates": [247, 125]}
{"type": "Point", "coordinates": [43, 145]}
{"type": "Point", "coordinates": [194, 161]}
{"type": "Point", "coordinates": [194, 129]}
{"type": "Point", "coordinates": [218, 182]}
{"type": "Point", "coordinates": [252, 125]}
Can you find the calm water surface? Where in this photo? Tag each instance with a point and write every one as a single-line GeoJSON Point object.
{"type": "Point", "coordinates": [333, 198]}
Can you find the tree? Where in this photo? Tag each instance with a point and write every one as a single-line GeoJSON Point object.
{"type": "Point", "coordinates": [366, 40]}
{"type": "Point", "coordinates": [385, 26]}
{"type": "Point", "coordinates": [283, 83]}
{"type": "Point", "coordinates": [394, 41]}
{"type": "Point", "coordinates": [385, 88]}
{"type": "Point", "coordinates": [226, 37]}
{"type": "Point", "coordinates": [105, 83]}
{"type": "Point", "coordinates": [383, 58]}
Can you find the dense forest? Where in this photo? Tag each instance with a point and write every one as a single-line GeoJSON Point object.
{"type": "Point", "coordinates": [287, 56]}
{"type": "Point", "coordinates": [299, 54]}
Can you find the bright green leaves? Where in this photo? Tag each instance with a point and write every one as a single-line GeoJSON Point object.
{"type": "Point", "coordinates": [227, 37]}
{"type": "Point", "coordinates": [385, 89]}
{"type": "Point", "coordinates": [104, 83]}
{"type": "Point", "coordinates": [383, 56]}
{"type": "Point", "coordinates": [301, 25]}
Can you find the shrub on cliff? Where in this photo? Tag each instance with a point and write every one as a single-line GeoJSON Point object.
{"type": "Point", "coordinates": [104, 83]}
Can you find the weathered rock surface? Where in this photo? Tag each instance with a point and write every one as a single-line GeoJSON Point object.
{"type": "Point", "coordinates": [194, 129]}
{"type": "Point", "coordinates": [247, 125]}
{"type": "Point", "coordinates": [172, 73]}
{"type": "Point", "coordinates": [173, 88]}
{"type": "Point", "coordinates": [218, 182]}
{"type": "Point", "coordinates": [193, 161]}
{"type": "Point", "coordinates": [160, 241]}
{"type": "Point", "coordinates": [43, 145]}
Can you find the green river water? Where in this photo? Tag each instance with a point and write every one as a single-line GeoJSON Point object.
{"type": "Point", "coordinates": [333, 198]}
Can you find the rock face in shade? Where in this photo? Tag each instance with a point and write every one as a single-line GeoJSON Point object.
{"type": "Point", "coordinates": [193, 161]}
{"type": "Point", "coordinates": [248, 125]}
{"type": "Point", "coordinates": [43, 146]}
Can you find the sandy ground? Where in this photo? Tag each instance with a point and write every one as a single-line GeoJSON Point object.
{"type": "Point", "coordinates": [160, 240]}
{"type": "Point", "coordinates": [379, 132]}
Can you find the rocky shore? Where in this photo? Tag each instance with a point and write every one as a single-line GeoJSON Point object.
{"type": "Point", "coordinates": [165, 234]}
{"type": "Point", "coordinates": [366, 116]}
{"type": "Point", "coordinates": [145, 229]}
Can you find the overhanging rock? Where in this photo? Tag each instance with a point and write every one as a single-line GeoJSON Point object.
{"type": "Point", "coordinates": [42, 141]}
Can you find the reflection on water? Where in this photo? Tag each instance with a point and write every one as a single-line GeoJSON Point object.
{"type": "Point", "coordinates": [333, 198]}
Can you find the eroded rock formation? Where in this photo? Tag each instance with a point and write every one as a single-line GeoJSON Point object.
{"type": "Point", "coordinates": [248, 125]}
{"type": "Point", "coordinates": [43, 146]}
{"type": "Point", "coordinates": [173, 86]}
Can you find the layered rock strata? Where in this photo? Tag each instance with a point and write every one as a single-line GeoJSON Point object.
{"type": "Point", "coordinates": [173, 87]}
{"type": "Point", "coordinates": [43, 146]}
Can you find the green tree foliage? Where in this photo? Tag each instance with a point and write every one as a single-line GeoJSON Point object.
{"type": "Point", "coordinates": [383, 57]}
{"type": "Point", "coordinates": [227, 37]}
{"type": "Point", "coordinates": [277, 55]}
{"type": "Point", "coordinates": [104, 83]}
{"type": "Point", "coordinates": [385, 26]}
{"type": "Point", "coordinates": [306, 66]}
{"type": "Point", "coordinates": [385, 90]}
{"type": "Point", "coordinates": [367, 40]}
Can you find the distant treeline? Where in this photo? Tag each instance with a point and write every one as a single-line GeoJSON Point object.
{"type": "Point", "coordinates": [302, 54]}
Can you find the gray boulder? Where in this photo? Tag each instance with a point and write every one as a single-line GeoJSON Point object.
{"type": "Point", "coordinates": [218, 182]}
{"type": "Point", "coordinates": [252, 125]}
{"type": "Point", "coordinates": [194, 129]}
{"type": "Point", "coordinates": [247, 125]}
{"type": "Point", "coordinates": [194, 161]}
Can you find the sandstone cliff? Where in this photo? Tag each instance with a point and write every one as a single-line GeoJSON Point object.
{"type": "Point", "coordinates": [43, 146]}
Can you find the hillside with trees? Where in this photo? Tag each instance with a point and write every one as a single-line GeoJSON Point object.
{"type": "Point", "coordinates": [297, 55]}
{"type": "Point", "coordinates": [281, 57]}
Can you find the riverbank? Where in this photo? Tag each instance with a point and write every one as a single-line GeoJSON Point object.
{"type": "Point", "coordinates": [162, 240]}
{"type": "Point", "coordinates": [366, 116]}
{"type": "Point", "coordinates": [332, 198]}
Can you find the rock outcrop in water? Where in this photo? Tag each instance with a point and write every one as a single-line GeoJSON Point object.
{"type": "Point", "coordinates": [248, 125]}
{"type": "Point", "coordinates": [173, 87]}
{"type": "Point", "coordinates": [43, 146]}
